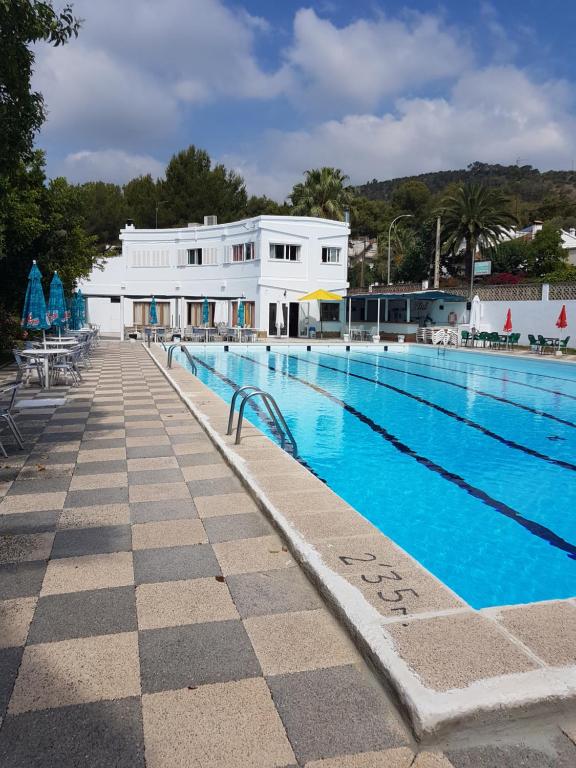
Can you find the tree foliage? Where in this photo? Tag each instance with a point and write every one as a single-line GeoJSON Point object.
{"type": "Point", "coordinates": [322, 194]}
{"type": "Point", "coordinates": [476, 216]}
{"type": "Point", "coordinates": [104, 210]}
{"type": "Point", "coordinates": [141, 196]}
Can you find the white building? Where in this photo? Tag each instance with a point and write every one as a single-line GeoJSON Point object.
{"type": "Point", "coordinates": [261, 261]}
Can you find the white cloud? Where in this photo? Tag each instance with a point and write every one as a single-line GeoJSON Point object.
{"type": "Point", "coordinates": [358, 65]}
{"type": "Point", "coordinates": [494, 115]}
{"type": "Point", "coordinates": [110, 165]}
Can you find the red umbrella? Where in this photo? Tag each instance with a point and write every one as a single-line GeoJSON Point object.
{"type": "Point", "coordinates": [562, 322]}
{"type": "Point", "coordinates": [508, 323]}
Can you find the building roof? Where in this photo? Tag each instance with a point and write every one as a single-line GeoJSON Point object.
{"type": "Point", "coordinates": [431, 295]}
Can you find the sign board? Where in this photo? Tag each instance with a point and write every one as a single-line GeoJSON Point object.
{"type": "Point", "coordinates": [482, 268]}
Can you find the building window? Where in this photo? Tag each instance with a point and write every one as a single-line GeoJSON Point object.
{"type": "Point", "coordinates": [329, 312]}
{"type": "Point", "coordinates": [330, 255]}
{"type": "Point", "coordinates": [195, 256]}
{"type": "Point", "coordinates": [243, 252]}
{"type": "Point", "coordinates": [284, 252]}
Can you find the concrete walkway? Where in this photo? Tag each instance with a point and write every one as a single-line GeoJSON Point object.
{"type": "Point", "coordinates": [150, 615]}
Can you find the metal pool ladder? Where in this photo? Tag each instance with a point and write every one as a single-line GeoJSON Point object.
{"type": "Point", "coordinates": [184, 348]}
{"type": "Point", "coordinates": [250, 392]}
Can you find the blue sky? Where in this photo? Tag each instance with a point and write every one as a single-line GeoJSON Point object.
{"type": "Point", "coordinates": [378, 89]}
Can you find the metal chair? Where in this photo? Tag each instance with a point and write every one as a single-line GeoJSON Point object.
{"type": "Point", "coordinates": [8, 394]}
{"type": "Point", "coordinates": [27, 367]}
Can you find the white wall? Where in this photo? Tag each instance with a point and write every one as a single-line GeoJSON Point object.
{"type": "Point", "coordinates": [529, 317]}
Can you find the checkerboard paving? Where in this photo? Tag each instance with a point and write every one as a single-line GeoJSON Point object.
{"type": "Point", "coordinates": [149, 613]}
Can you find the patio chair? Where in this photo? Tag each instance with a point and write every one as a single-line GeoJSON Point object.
{"type": "Point", "coordinates": [68, 365]}
{"type": "Point", "coordinates": [484, 337]}
{"type": "Point", "coordinates": [466, 338]}
{"type": "Point", "coordinates": [7, 397]}
{"type": "Point", "coordinates": [563, 345]}
{"type": "Point", "coordinates": [27, 367]}
{"type": "Point", "coordinates": [513, 340]}
{"type": "Point", "coordinates": [543, 343]}
{"type": "Point", "coordinates": [494, 340]}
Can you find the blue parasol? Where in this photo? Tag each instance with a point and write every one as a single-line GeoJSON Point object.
{"type": "Point", "coordinates": [58, 314]}
{"type": "Point", "coordinates": [34, 315]}
{"type": "Point", "coordinates": [81, 309]}
{"type": "Point", "coordinates": [205, 312]}
{"type": "Point", "coordinates": [241, 314]}
{"type": "Point", "coordinates": [153, 312]}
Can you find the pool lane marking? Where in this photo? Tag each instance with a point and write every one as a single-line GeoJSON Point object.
{"type": "Point", "coordinates": [258, 409]}
{"type": "Point", "coordinates": [541, 531]}
{"type": "Point", "coordinates": [480, 392]}
{"type": "Point", "coordinates": [484, 375]}
{"type": "Point", "coordinates": [451, 414]}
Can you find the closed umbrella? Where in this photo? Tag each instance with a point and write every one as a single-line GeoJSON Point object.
{"type": "Point", "coordinates": [81, 309]}
{"type": "Point", "coordinates": [279, 317]}
{"type": "Point", "coordinates": [241, 314]}
{"type": "Point", "coordinates": [58, 314]}
{"type": "Point", "coordinates": [562, 321]}
{"type": "Point", "coordinates": [34, 314]}
{"type": "Point", "coordinates": [153, 312]}
{"type": "Point", "coordinates": [205, 311]}
{"type": "Point", "coordinates": [508, 323]}
{"type": "Point", "coordinates": [221, 313]}
{"type": "Point", "coordinates": [475, 313]}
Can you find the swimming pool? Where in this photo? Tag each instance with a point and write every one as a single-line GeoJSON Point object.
{"type": "Point", "coordinates": [465, 461]}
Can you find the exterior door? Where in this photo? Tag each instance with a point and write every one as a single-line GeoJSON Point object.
{"type": "Point", "coordinates": [293, 319]}
{"type": "Point", "coordinates": [272, 330]}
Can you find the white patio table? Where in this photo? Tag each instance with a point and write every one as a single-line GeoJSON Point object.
{"type": "Point", "coordinates": [44, 355]}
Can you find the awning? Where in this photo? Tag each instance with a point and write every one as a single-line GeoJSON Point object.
{"type": "Point", "coordinates": [321, 295]}
{"type": "Point", "coordinates": [420, 295]}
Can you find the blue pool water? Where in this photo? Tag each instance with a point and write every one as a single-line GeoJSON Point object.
{"type": "Point", "coordinates": [465, 461]}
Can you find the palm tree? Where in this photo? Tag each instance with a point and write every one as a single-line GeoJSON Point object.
{"type": "Point", "coordinates": [322, 194]}
{"type": "Point", "coordinates": [476, 216]}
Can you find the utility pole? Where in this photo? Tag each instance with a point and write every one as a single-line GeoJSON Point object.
{"type": "Point", "coordinates": [437, 255]}
{"type": "Point", "coordinates": [158, 204]}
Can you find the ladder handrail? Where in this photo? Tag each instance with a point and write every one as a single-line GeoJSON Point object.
{"type": "Point", "coordinates": [275, 414]}
{"type": "Point", "coordinates": [184, 348]}
{"type": "Point", "coordinates": [235, 396]}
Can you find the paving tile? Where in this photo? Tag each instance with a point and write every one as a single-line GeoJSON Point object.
{"type": "Point", "coordinates": [225, 504]}
{"type": "Point", "coordinates": [454, 651]}
{"type": "Point", "coordinates": [558, 754]}
{"type": "Point", "coordinates": [159, 492]}
{"type": "Point", "coordinates": [47, 459]}
{"type": "Point", "coordinates": [94, 482]}
{"type": "Point", "coordinates": [75, 574]}
{"type": "Point", "coordinates": [47, 438]}
{"type": "Point", "coordinates": [21, 579]}
{"type": "Point", "coordinates": [77, 671]}
{"type": "Point", "coordinates": [400, 757]}
{"type": "Point", "coordinates": [168, 533]}
{"type": "Point", "coordinates": [214, 487]}
{"type": "Point", "coordinates": [183, 445]}
{"type": "Point", "coordinates": [268, 592]}
{"type": "Point", "coordinates": [25, 547]}
{"type": "Point", "coordinates": [174, 603]}
{"type": "Point", "coordinates": [150, 511]}
{"type": "Point", "coordinates": [47, 485]}
{"type": "Point", "coordinates": [96, 496]}
{"type": "Point", "coordinates": [110, 448]}
{"type": "Point", "coordinates": [101, 467]}
{"type": "Point", "coordinates": [428, 759]}
{"type": "Point", "coordinates": [15, 618]}
{"type": "Point", "coordinates": [548, 629]}
{"type": "Point", "coordinates": [32, 502]}
{"type": "Point", "coordinates": [41, 472]}
{"type": "Point", "coordinates": [206, 471]}
{"type": "Point", "coordinates": [198, 459]}
{"type": "Point", "coordinates": [28, 522]}
{"type": "Point", "coordinates": [83, 614]}
{"type": "Point", "coordinates": [105, 434]}
{"type": "Point", "coordinates": [195, 654]}
{"type": "Point", "coordinates": [149, 451]}
{"type": "Point", "coordinates": [156, 476]}
{"type": "Point", "coordinates": [294, 642]}
{"type": "Point", "coordinates": [265, 553]}
{"type": "Point", "coordinates": [175, 564]}
{"type": "Point", "coordinates": [336, 711]}
{"type": "Point", "coordinates": [215, 723]}
{"type": "Point", "coordinates": [230, 527]}
{"type": "Point", "coordinates": [154, 463]}
{"type": "Point", "coordinates": [101, 515]}
{"type": "Point", "coordinates": [92, 541]}
{"type": "Point", "coordinates": [9, 663]}
{"type": "Point", "coordinates": [97, 735]}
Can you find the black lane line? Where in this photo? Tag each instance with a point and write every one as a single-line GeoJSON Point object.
{"type": "Point", "coordinates": [486, 375]}
{"type": "Point", "coordinates": [259, 410]}
{"type": "Point", "coordinates": [480, 392]}
{"type": "Point", "coordinates": [533, 527]}
{"type": "Point", "coordinates": [462, 419]}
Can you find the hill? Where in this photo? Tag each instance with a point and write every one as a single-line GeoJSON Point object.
{"type": "Point", "coordinates": [535, 194]}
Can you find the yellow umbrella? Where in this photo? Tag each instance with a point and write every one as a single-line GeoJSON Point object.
{"type": "Point", "coordinates": [320, 295]}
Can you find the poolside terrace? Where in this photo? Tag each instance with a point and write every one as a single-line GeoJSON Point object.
{"type": "Point", "coordinates": [167, 596]}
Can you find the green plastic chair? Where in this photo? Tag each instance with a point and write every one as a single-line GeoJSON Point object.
{"type": "Point", "coordinates": [466, 338]}
{"type": "Point", "coordinates": [484, 337]}
{"type": "Point", "coordinates": [494, 340]}
{"type": "Point", "coordinates": [564, 344]}
{"type": "Point", "coordinates": [513, 340]}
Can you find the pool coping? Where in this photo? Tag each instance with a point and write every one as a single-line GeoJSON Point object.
{"type": "Point", "coordinates": [522, 669]}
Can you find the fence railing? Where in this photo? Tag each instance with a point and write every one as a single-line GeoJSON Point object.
{"type": "Point", "coordinates": [518, 292]}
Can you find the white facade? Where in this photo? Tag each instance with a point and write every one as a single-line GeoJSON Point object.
{"type": "Point", "coordinates": [262, 260]}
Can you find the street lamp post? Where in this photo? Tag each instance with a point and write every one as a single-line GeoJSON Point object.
{"type": "Point", "coordinates": [158, 204]}
{"type": "Point", "coordinates": [402, 216]}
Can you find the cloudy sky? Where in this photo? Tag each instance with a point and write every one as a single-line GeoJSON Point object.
{"type": "Point", "coordinates": [273, 87]}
